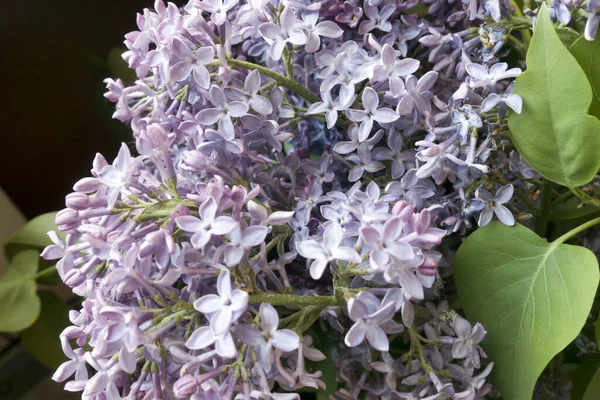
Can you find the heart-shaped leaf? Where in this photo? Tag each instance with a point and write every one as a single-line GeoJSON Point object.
{"type": "Point", "coordinates": [33, 235]}
{"type": "Point", "coordinates": [554, 133]}
{"type": "Point", "coordinates": [42, 338]}
{"type": "Point", "coordinates": [587, 54]}
{"type": "Point", "coordinates": [532, 297]}
{"type": "Point", "coordinates": [19, 302]}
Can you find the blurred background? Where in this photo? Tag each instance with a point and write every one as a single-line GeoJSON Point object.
{"type": "Point", "coordinates": [54, 56]}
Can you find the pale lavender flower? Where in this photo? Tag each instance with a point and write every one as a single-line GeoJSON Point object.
{"type": "Point", "coordinates": [222, 113]}
{"type": "Point", "coordinates": [416, 94]}
{"type": "Point", "coordinates": [514, 101]}
{"type": "Point", "coordinates": [467, 344]}
{"type": "Point", "coordinates": [269, 336]}
{"type": "Point", "coordinates": [350, 15]}
{"type": "Point", "coordinates": [377, 19]}
{"type": "Point", "coordinates": [279, 36]}
{"type": "Point", "coordinates": [327, 250]}
{"type": "Point", "coordinates": [191, 63]}
{"type": "Point", "coordinates": [369, 315]}
{"type": "Point", "coordinates": [591, 26]}
{"type": "Point", "coordinates": [315, 29]}
{"type": "Point", "coordinates": [559, 10]}
{"type": "Point", "coordinates": [207, 224]}
{"type": "Point", "coordinates": [240, 242]}
{"type": "Point", "coordinates": [482, 77]}
{"type": "Point", "coordinates": [490, 205]}
{"type": "Point", "coordinates": [371, 113]}
{"type": "Point", "coordinates": [217, 8]}
{"type": "Point", "coordinates": [465, 119]}
{"type": "Point", "coordinates": [226, 307]}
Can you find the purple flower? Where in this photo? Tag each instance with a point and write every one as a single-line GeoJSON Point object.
{"type": "Point", "coordinates": [279, 36]}
{"type": "Point", "coordinates": [482, 77]}
{"type": "Point", "coordinates": [368, 315]}
{"type": "Point", "coordinates": [467, 345]}
{"type": "Point", "coordinates": [386, 243]}
{"type": "Point", "coordinates": [315, 30]}
{"type": "Point", "coordinates": [370, 102]}
{"type": "Point", "coordinates": [328, 250]}
{"type": "Point", "coordinates": [225, 308]}
{"type": "Point", "coordinates": [241, 241]}
{"type": "Point", "coordinates": [416, 94]}
{"type": "Point", "coordinates": [217, 9]}
{"type": "Point", "coordinates": [378, 19]}
{"type": "Point", "coordinates": [191, 63]}
{"type": "Point", "coordinates": [208, 224]}
{"type": "Point", "coordinates": [591, 26]}
{"type": "Point", "coordinates": [514, 101]}
{"type": "Point", "coordinates": [269, 336]}
{"type": "Point", "coordinates": [490, 205]}
{"type": "Point", "coordinates": [222, 113]}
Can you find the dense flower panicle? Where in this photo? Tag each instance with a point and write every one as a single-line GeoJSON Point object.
{"type": "Point", "coordinates": [296, 168]}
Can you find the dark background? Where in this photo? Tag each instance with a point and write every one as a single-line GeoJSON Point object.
{"type": "Point", "coordinates": [54, 55]}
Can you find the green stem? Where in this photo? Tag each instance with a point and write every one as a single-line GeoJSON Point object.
{"type": "Point", "coordinates": [584, 197]}
{"type": "Point", "coordinates": [415, 342]}
{"type": "Point", "coordinates": [281, 80]}
{"type": "Point", "coordinates": [542, 221]}
{"type": "Point", "coordinates": [47, 272]}
{"type": "Point", "coordinates": [295, 300]}
{"type": "Point", "coordinates": [577, 230]}
{"type": "Point", "coordinates": [562, 197]}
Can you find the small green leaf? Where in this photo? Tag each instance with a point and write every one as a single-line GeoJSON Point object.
{"type": "Point", "coordinates": [584, 374]}
{"type": "Point", "coordinates": [572, 208]}
{"type": "Point", "coordinates": [554, 133]}
{"type": "Point", "coordinates": [587, 54]}
{"type": "Point", "coordinates": [42, 338]}
{"type": "Point", "coordinates": [33, 235]}
{"type": "Point", "coordinates": [593, 390]}
{"type": "Point", "coordinates": [533, 298]}
{"type": "Point", "coordinates": [19, 303]}
{"type": "Point", "coordinates": [567, 35]}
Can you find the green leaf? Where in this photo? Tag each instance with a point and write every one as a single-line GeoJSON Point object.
{"type": "Point", "coordinates": [533, 298]}
{"type": "Point", "coordinates": [554, 133]}
{"type": "Point", "coordinates": [593, 390]}
{"type": "Point", "coordinates": [567, 35]}
{"type": "Point", "coordinates": [598, 331]}
{"type": "Point", "coordinates": [19, 303]}
{"type": "Point", "coordinates": [33, 235]}
{"type": "Point", "coordinates": [573, 208]}
{"type": "Point", "coordinates": [42, 338]}
{"type": "Point", "coordinates": [584, 374]}
{"type": "Point", "coordinates": [587, 54]}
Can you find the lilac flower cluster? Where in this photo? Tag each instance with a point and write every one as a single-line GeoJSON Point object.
{"type": "Point", "coordinates": [295, 165]}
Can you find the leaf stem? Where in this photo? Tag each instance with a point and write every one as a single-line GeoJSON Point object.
{"type": "Point", "coordinates": [46, 272]}
{"type": "Point", "coordinates": [577, 230]}
{"type": "Point", "coordinates": [584, 197]}
{"type": "Point", "coordinates": [542, 221]}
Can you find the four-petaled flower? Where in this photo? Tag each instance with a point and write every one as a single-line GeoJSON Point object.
{"type": "Point", "coordinates": [370, 102]}
{"type": "Point", "coordinates": [368, 315]}
{"type": "Point", "coordinates": [490, 205]}
{"type": "Point", "coordinates": [328, 250]}
{"type": "Point", "coordinates": [268, 337]}
{"type": "Point", "coordinates": [222, 112]}
{"type": "Point", "coordinates": [208, 224]}
{"type": "Point", "coordinates": [224, 308]}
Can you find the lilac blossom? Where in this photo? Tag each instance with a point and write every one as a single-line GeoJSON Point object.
{"type": "Point", "coordinates": [328, 250]}
{"type": "Point", "coordinates": [490, 205]}
{"type": "Point", "coordinates": [268, 337]}
{"type": "Point", "coordinates": [371, 114]}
